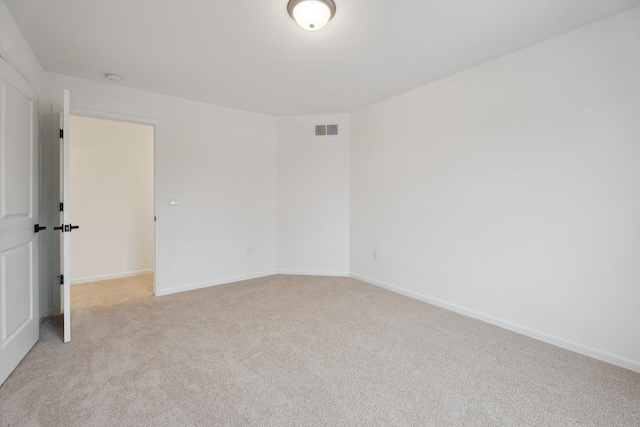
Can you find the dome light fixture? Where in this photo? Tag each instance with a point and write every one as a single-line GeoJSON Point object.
{"type": "Point", "coordinates": [311, 14]}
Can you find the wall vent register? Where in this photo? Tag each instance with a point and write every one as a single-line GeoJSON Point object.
{"type": "Point", "coordinates": [326, 130]}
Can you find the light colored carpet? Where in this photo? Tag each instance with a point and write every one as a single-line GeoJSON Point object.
{"type": "Point", "coordinates": [304, 351]}
{"type": "Point", "coordinates": [111, 292]}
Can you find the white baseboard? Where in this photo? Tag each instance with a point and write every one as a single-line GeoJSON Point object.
{"type": "Point", "coordinates": [314, 273]}
{"type": "Point", "coordinates": [533, 333]}
{"type": "Point", "coordinates": [110, 276]}
{"type": "Point", "coordinates": [201, 285]}
{"type": "Point", "coordinates": [227, 280]}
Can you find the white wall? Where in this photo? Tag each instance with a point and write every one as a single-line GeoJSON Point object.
{"type": "Point", "coordinates": [313, 196]}
{"type": "Point", "coordinates": [15, 49]}
{"type": "Point", "coordinates": [222, 166]}
{"type": "Point", "coordinates": [511, 191]}
{"type": "Point", "coordinates": [111, 174]}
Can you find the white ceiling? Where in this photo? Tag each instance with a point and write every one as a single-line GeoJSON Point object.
{"type": "Point", "coordinates": [250, 55]}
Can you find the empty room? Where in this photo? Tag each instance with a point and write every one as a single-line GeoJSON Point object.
{"type": "Point", "coordinates": [319, 213]}
{"type": "Point", "coordinates": [111, 192]}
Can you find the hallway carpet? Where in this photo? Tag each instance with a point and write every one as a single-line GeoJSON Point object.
{"type": "Point", "coordinates": [304, 351]}
{"type": "Point", "coordinates": [111, 292]}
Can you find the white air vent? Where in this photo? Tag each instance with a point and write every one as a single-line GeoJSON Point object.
{"type": "Point", "coordinates": [326, 130]}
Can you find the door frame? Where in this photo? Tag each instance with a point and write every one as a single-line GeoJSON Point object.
{"type": "Point", "coordinates": [106, 115]}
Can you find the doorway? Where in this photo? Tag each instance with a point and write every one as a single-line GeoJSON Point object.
{"type": "Point", "coordinates": [111, 173]}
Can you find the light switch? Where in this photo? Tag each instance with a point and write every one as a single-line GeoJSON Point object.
{"type": "Point", "coordinates": [173, 200]}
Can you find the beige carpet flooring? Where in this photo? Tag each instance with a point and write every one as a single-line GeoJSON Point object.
{"type": "Point", "coordinates": [304, 351]}
{"type": "Point", "coordinates": [111, 292]}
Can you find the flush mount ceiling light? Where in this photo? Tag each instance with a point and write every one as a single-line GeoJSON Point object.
{"type": "Point", "coordinates": [311, 14]}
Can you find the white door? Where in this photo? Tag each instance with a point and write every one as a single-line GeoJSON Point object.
{"type": "Point", "coordinates": [19, 322]}
{"type": "Point", "coordinates": [67, 227]}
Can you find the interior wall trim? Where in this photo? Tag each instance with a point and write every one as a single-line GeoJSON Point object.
{"type": "Point", "coordinates": [111, 276]}
{"type": "Point", "coordinates": [314, 273]}
{"type": "Point", "coordinates": [225, 281]}
{"type": "Point", "coordinates": [585, 350]}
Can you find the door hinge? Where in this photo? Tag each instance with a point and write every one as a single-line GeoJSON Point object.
{"type": "Point", "coordinates": [62, 279]}
{"type": "Point", "coordinates": [61, 133]}
{"type": "Point", "coordinates": [61, 207]}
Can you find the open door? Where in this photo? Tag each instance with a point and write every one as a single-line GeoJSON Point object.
{"type": "Point", "coordinates": [61, 126]}
{"type": "Point", "coordinates": [66, 227]}
{"type": "Point", "coordinates": [19, 322]}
